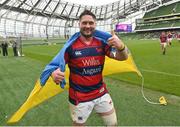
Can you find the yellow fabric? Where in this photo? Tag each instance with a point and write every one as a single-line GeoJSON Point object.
{"type": "Point", "coordinates": [113, 66]}
{"type": "Point", "coordinates": [37, 96]}
{"type": "Point", "coordinates": [162, 100]}
{"type": "Point", "coordinates": [40, 94]}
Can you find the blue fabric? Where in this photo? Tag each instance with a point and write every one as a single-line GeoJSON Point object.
{"type": "Point", "coordinates": [59, 61]}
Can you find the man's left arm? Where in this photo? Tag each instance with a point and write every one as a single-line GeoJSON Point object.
{"type": "Point", "coordinates": [121, 52]}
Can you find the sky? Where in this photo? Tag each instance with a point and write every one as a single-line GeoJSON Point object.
{"type": "Point", "coordinates": [92, 2]}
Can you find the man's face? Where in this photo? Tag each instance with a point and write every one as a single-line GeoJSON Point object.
{"type": "Point", "coordinates": [87, 25]}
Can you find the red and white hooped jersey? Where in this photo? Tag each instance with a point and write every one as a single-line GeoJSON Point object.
{"type": "Point", "coordinates": [169, 35]}
{"type": "Point", "coordinates": [163, 38]}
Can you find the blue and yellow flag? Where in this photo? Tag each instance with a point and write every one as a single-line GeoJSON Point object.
{"type": "Point", "coordinates": [42, 93]}
{"type": "Point", "coordinates": [45, 88]}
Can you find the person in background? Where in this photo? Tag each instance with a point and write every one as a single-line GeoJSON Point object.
{"type": "Point", "coordinates": [178, 37]}
{"type": "Point", "coordinates": [169, 38]}
{"type": "Point", "coordinates": [4, 47]}
{"type": "Point", "coordinates": [0, 48]}
{"type": "Point", "coordinates": [85, 58]}
{"type": "Point", "coordinates": [163, 42]}
{"type": "Point", "coordinates": [14, 46]}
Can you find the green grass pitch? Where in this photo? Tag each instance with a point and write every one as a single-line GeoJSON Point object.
{"type": "Point", "coordinates": [161, 73]}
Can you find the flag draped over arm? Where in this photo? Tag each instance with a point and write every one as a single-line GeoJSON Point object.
{"type": "Point", "coordinates": [45, 88]}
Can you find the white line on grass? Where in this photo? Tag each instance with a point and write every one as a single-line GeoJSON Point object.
{"type": "Point", "coordinates": [160, 72]}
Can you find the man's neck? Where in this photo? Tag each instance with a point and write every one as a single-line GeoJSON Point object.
{"type": "Point", "coordinates": [86, 40]}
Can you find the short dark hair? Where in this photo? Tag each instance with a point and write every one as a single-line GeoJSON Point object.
{"type": "Point", "coordinates": [87, 12]}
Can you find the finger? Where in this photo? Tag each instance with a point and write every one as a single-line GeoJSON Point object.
{"type": "Point", "coordinates": [110, 40]}
{"type": "Point", "coordinates": [59, 72]}
{"type": "Point", "coordinates": [58, 69]}
{"type": "Point", "coordinates": [110, 43]}
{"type": "Point", "coordinates": [59, 78]}
{"type": "Point", "coordinates": [112, 32]}
{"type": "Point", "coordinates": [57, 81]}
{"type": "Point", "coordinates": [59, 75]}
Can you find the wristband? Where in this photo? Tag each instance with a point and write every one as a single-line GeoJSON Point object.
{"type": "Point", "coordinates": [122, 47]}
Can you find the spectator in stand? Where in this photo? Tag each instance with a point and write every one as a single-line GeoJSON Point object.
{"type": "Point", "coordinates": [163, 42]}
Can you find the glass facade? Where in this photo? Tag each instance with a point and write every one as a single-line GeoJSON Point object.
{"type": "Point", "coordinates": [56, 18]}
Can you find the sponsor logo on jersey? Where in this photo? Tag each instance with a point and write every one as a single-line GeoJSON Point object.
{"type": "Point", "coordinates": [90, 62]}
{"type": "Point", "coordinates": [78, 53]}
{"type": "Point", "coordinates": [92, 71]}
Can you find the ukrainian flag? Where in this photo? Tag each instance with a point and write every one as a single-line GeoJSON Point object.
{"type": "Point", "coordinates": [45, 88]}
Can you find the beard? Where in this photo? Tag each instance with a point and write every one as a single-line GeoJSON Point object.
{"type": "Point", "coordinates": [86, 35]}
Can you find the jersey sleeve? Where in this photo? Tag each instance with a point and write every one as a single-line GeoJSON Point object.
{"type": "Point", "coordinates": [66, 56]}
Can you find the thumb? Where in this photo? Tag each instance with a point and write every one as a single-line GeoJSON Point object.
{"type": "Point", "coordinates": [59, 69]}
{"type": "Point", "coordinates": [112, 32]}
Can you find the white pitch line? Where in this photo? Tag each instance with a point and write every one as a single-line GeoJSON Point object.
{"type": "Point", "coordinates": [160, 72]}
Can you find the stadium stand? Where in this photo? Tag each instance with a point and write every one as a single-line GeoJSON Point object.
{"type": "Point", "coordinates": [165, 17]}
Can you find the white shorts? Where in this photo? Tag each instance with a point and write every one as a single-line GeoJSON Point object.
{"type": "Point", "coordinates": [164, 45]}
{"type": "Point", "coordinates": [169, 39]}
{"type": "Point", "coordinates": [81, 112]}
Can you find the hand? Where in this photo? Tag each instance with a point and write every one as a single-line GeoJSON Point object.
{"type": "Point", "coordinates": [57, 76]}
{"type": "Point", "coordinates": [115, 42]}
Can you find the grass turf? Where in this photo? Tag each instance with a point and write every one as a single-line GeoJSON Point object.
{"type": "Point", "coordinates": [18, 75]}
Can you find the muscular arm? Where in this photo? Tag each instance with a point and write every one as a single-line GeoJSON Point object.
{"type": "Point", "coordinates": [121, 52]}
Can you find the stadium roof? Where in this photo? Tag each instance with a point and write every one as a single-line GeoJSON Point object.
{"type": "Point", "coordinates": [31, 17]}
{"type": "Point", "coordinates": [92, 2]}
{"type": "Point", "coordinates": [71, 9]}
{"type": "Point", "coordinates": [68, 10]}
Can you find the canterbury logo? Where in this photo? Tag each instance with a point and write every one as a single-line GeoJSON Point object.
{"type": "Point", "coordinates": [78, 53]}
